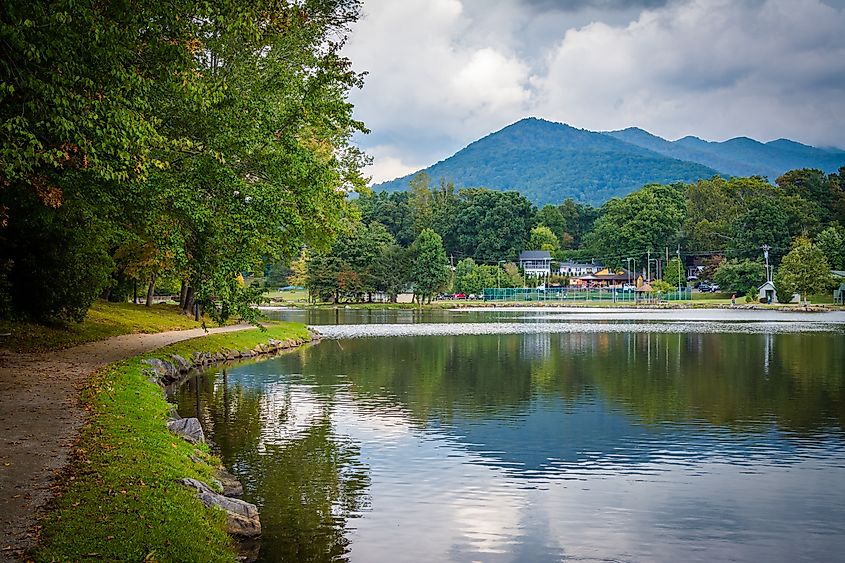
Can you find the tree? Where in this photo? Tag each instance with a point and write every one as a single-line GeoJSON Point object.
{"type": "Point", "coordinates": [429, 270]}
{"type": "Point", "coordinates": [213, 136]}
{"type": "Point", "coordinates": [804, 270]}
{"type": "Point", "coordinates": [551, 216]}
{"type": "Point", "coordinates": [542, 238]}
{"type": "Point", "coordinates": [673, 273]}
{"type": "Point", "coordinates": [740, 276]}
{"type": "Point", "coordinates": [831, 242]}
{"type": "Point", "coordinates": [392, 271]}
{"type": "Point", "coordinates": [492, 225]}
{"type": "Point", "coordinates": [579, 219]}
{"type": "Point", "coordinates": [646, 220]}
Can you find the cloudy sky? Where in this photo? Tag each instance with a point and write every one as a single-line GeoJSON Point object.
{"type": "Point", "coordinates": [443, 73]}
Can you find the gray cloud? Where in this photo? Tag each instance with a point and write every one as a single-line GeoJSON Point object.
{"type": "Point", "coordinates": [445, 72]}
{"type": "Point", "coordinates": [574, 5]}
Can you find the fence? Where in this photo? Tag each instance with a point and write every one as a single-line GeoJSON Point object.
{"type": "Point", "coordinates": [564, 294]}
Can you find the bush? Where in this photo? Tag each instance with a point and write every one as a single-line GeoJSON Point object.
{"type": "Point", "coordinates": [57, 258]}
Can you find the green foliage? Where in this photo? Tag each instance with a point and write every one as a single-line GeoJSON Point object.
{"type": "Point", "coordinates": [393, 210]}
{"type": "Point", "coordinates": [740, 276]}
{"type": "Point", "coordinates": [58, 258]}
{"type": "Point", "coordinates": [392, 270]}
{"type": "Point", "coordinates": [429, 265]}
{"type": "Point", "coordinates": [542, 238]}
{"type": "Point", "coordinates": [492, 226]}
{"type": "Point", "coordinates": [209, 142]}
{"type": "Point", "coordinates": [551, 216]}
{"type": "Point", "coordinates": [470, 278]}
{"type": "Point", "coordinates": [648, 219]}
{"type": "Point", "coordinates": [804, 270]}
{"type": "Point", "coordinates": [673, 273]}
{"type": "Point", "coordinates": [831, 242]}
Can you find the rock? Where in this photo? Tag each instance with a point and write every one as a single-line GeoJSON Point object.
{"type": "Point", "coordinates": [232, 354]}
{"type": "Point", "coordinates": [230, 484]}
{"type": "Point", "coordinates": [189, 429]}
{"type": "Point", "coordinates": [247, 354]}
{"type": "Point", "coordinates": [181, 363]}
{"type": "Point", "coordinates": [166, 371]}
{"type": "Point", "coordinates": [196, 459]}
{"type": "Point", "coordinates": [173, 414]}
{"type": "Point", "coordinates": [241, 516]}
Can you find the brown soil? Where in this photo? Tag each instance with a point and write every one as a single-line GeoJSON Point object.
{"type": "Point", "coordinates": [40, 418]}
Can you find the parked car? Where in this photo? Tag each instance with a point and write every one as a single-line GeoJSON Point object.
{"type": "Point", "coordinates": [459, 296]}
{"type": "Point", "coordinates": [628, 287]}
{"type": "Point", "coordinates": [704, 287]}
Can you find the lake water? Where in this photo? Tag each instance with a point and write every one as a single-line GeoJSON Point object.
{"type": "Point", "coordinates": [530, 435]}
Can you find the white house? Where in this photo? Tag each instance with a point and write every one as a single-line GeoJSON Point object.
{"type": "Point", "coordinates": [574, 269]}
{"type": "Point", "coordinates": [767, 292]}
{"type": "Point", "coordinates": [536, 262]}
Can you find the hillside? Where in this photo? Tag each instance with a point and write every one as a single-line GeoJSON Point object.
{"type": "Point", "coordinates": [740, 156]}
{"type": "Point", "coordinates": [548, 162]}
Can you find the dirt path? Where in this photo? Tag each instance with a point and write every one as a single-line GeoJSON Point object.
{"type": "Point", "coordinates": [41, 416]}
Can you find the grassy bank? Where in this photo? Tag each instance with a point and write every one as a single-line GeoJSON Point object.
{"type": "Point", "coordinates": [104, 320]}
{"type": "Point", "coordinates": [119, 499]}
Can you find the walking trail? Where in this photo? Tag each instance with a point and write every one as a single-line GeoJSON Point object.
{"type": "Point", "coordinates": [41, 417]}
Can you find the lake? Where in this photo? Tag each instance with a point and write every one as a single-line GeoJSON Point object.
{"type": "Point", "coordinates": [537, 435]}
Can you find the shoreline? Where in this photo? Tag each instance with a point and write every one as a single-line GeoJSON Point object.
{"type": "Point", "coordinates": [116, 439]}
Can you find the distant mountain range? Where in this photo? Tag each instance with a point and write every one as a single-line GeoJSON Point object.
{"type": "Point", "coordinates": [548, 162]}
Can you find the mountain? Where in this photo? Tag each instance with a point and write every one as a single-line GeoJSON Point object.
{"type": "Point", "coordinates": [740, 156]}
{"type": "Point", "coordinates": [548, 162]}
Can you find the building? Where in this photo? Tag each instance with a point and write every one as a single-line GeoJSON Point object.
{"type": "Point", "coordinates": [536, 262]}
{"type": "Point", "coordinates": [604, 278]}
{"type": "Point", "coordinates": [574, 269]}
{"type": "Point", "coordinates": [767, 292]}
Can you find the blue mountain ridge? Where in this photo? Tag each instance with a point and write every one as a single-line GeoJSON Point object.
{"type": "Point", "coordinates": [548, 162]}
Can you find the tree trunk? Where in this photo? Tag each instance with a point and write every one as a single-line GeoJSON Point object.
{"type": "Point", "coordinates": [183, 294]}
{"type": "Point", "coordinates": [197, 312]}
{"type": "Point", "coordinates": [151, 290]}
{"type": "Point", "coordinates": [189, 301]}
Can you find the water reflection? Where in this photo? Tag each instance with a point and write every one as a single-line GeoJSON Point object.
{"type": "Point", "coordinates": [541, 446]}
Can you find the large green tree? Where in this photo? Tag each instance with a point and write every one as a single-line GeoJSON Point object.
{"type": "Point", "coordinates": [492, 225]}
{"type": "Point", "coordinates": [212, 137]}
{"type": "Point", "coordinates": [804, 271]}
{"type": "Point", "coordinates": [429, 269]}
{"type": "Point", "coordinates": [646, 220]}
{"type": "Point", "coordinates": [740, 276]}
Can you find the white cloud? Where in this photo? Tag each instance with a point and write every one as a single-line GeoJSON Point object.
{"type": "Point", "coordinates": [443, 73]}
{"type": "Point", "coordinates": [714, 68]}
{"type": "Point", "coordinates": [387, 166]}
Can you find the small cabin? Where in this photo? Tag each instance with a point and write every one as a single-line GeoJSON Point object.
{"type": "Point", "coordinates": [767, 292]}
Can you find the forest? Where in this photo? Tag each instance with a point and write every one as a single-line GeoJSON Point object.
{"type": "Point", "coordinates": [175, 144]}
{"type": "Point", "coordinates": [478, 233]}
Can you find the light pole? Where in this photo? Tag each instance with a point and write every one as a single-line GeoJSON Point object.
{"type": "Point", "coordinates": [679, 271]}
{"type": "Point", "coordinates": [498, 275]}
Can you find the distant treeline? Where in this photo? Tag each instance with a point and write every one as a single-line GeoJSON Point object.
{"type": "Point", "coordinates": [719, 220]}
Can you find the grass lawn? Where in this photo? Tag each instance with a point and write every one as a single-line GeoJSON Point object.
{"type": "Point", "coordinates": [119, 499]}
{"type": "Point", "coordinates": [103, 321]}
{"type": "Point", "coordinates": [289, 296]}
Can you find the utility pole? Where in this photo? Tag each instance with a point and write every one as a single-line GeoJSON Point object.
{"type": "Point", "coordinates": [648, 267]}
{"type": "Point", "coordinates": [766, 249]}
{"type": "Point", "coordinates": [679, 269]}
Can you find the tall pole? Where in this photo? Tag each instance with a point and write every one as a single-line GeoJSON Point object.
{"type": "Point", "coordinates": [648, 267]}
{"type": "Point", "coordinates": [679, 270]}
{"type": "Point", "coordinates": [766, 249]}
